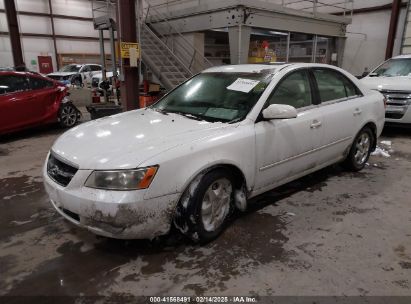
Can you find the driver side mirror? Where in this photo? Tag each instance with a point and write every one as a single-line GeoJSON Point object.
{"type": "Point", "coordinates": [279, 111]}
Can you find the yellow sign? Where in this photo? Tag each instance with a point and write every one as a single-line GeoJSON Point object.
{"type": "Point", "coordinates": [125, 49]}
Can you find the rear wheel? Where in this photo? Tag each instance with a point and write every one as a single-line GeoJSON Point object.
{"type": "Point", "coordinates": [68, 115]}
{"type": "Point", "coordinates": [205, 206]}
{"type": "Point", "coordinates": [360, 150]}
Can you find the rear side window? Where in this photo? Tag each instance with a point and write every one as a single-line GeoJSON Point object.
{"type": "Point", "coordinates": [38, 83]}
{"type": "Point", "coordinates": [13, 83]}
{"type": "Point", "coordinates": [293, 90]}
{"type": "Point", "coordinates": [95, 68]}
{"type": "Point", "coordinates": [332, 85]}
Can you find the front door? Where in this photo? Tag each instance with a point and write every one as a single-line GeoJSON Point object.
{"type": "Point", "coordinates": [285, 148]}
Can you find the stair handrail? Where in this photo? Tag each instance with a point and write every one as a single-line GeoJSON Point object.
{"type": "Point", "coordinates": [192, 51]}
{"type": "Point", "coordinates": [146, 28]}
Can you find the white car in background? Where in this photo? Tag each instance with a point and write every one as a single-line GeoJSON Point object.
{"type": "Point", "coordinates": [393, 79]}
{"type": "Point", "coordinates": [76, 74]}
{"type": "Point", "coordinates": [224, 136]}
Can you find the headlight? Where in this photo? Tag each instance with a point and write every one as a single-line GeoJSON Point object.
{"type": "Point", "coordinates": [122, 179]}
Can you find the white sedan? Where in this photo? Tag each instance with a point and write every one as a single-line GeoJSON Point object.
{"type": "Point", "coordinates": [224, 136]}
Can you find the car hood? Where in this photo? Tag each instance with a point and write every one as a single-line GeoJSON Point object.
{"type": "Point", "coordinates": [62, 73]}
{"type": "Point", "coordinates": [126, 140]}
{"type": "Point", "coordinates": [401, 83]}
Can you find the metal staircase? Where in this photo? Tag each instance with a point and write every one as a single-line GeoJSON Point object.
{"type": "Point", "coordinates": [406, 36]}
{"type": "Point", "coordinates": [170, 56]}
{"type": "Point", "coordinates": [164, 64]}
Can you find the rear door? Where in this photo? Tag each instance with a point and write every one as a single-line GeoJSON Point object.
{"type": "Point", "coordinates": [341, 111]}
{"type": "Point", "coordinates": [16, 102]}
{"type": "Point", "coordinates": [286, 148]}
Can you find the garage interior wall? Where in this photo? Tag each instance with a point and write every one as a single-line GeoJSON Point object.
{"type": "Point", "coordinates": [39, 46]}
{"type": "Point", "coordinates": [367, 40]}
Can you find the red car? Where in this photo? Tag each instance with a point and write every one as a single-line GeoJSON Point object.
{"type": "Point", "coordinates": [28, 99]}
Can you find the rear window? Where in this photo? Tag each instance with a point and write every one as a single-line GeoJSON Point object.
{"type": "Point", "coordinates": [333, 85]}
{"type": "Point", "coordinates": [13, 83]}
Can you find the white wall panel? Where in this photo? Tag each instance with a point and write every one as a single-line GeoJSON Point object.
{"type": "Point", "coordinates": [366, 50]}
{"type": "Point", "coordinates": [3, 22]}
{"type": "Point", "coordinates": [74, 28]}
{"type": "Point", "coordinates": [34, 24]}
{"type": "Point", "coordinates": [36, 6]}
{"type": "Point", "coordinates": [78, 46]}
{"type": "Point", "coordinates": [80, 8]}
{"type": "Point", "coordinates": [6, 57]}
{"type": "Point", "coordinates": [34, 47]}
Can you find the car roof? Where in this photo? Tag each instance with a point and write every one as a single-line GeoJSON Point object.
{"type": "Point", "coordinates": [402, 56]}
{"type": "Point", "coordinates": [25, 73]}
{"type": "Point", "coordinates": [257, 68]}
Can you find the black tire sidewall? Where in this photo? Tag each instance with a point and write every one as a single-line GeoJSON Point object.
{"type": "Point", "coordinates": [190, 217]}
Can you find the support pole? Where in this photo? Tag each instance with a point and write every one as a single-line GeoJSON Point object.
{"type": "Point", "coordinates": [239, 39]}
{"type": "Point", "coordinates": [395, 12]}
{"type": "Point", "coordinates": [103, 62]}
{"type": "Point", "coordinates": [128, 33]}
{"type": "Point", "coordinates": [53, 33]}
{"type": "Point", "coordinates": [14, 33]}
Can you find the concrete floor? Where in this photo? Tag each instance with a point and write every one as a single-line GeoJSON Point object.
{"type": "Point", "coordinates": [330, 233]}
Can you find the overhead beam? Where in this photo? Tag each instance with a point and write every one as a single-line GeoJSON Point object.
{"type": "Point", "coordinates": [255, 13]}
{"type": "Point", "coordinates": [38, 35]}
{"type": "Point", "coordinates": [14, 32]}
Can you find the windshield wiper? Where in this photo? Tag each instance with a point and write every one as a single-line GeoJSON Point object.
{"type": "Point", "coordinates": [188, 115]}
{"type": "Point", "coordinates": [160, 111]}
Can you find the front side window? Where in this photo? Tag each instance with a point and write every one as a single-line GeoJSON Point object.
{"type": "Point", "coordinates": [13, 83]}
{"type": "Point", "coordinates": [394, 67]}
{"type": "Point", "coordinates": [332, 85]}
{"type": "Point", "coordinates": [71, 68]}
{"type": "Point", "coordinates": [294, 90]}
{"type": "Point", "coordinates": [38, 83]}
{"type": "Point", "coordinates": [217, 96]}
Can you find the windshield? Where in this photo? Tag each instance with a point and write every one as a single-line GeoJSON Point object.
{"type": "Point", "coordinates": [394, 67]}
{"type": "Point", "coordinates": [71, 68]}
{"type": "Point", "coordinates": [225, 97]}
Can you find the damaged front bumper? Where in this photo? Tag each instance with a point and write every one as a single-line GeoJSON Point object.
{"type": "Point", "coordinates": [115, 214]}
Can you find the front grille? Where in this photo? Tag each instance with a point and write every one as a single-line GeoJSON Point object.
{"type": "Point", "coordinates": [397, 98]}
{"type": "Point", "coordinates": [394, 115]}
{"type": "Point", "coordinates": [59, 171]}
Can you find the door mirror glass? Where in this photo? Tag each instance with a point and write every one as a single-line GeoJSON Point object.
{"type": "Point", "coordinates": [279, 111]}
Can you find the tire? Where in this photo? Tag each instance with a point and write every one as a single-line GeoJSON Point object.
{"type": "Point", "coordinates": [68, 115]}
{"type": "Point", "coordinates": [78, 82]}
{"type": "Point", "coordinates": [360, 150]}
{"type": "Point", "coordinates": [205, 206]}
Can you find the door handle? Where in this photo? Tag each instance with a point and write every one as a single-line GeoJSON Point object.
{"type": "Point", "coordinates": [357, 112]}
{"type": "Point", "coordinates": [315, 124]}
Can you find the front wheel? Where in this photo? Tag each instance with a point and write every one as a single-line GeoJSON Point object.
{"type": "Point", "coordinates": [360, 150]}
{"type": "Point", "coordinates": [68, 115]}
{"type": "Point", "coordinates": [205, 206]}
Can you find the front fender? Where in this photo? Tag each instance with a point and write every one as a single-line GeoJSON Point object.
{"type": "Point", "coordinates": [233, 146]}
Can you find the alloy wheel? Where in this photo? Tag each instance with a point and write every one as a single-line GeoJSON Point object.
{"type": "Point", "coordinates": [362, 148]}
{"type": "Point", "coordinates": [216, 204]}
